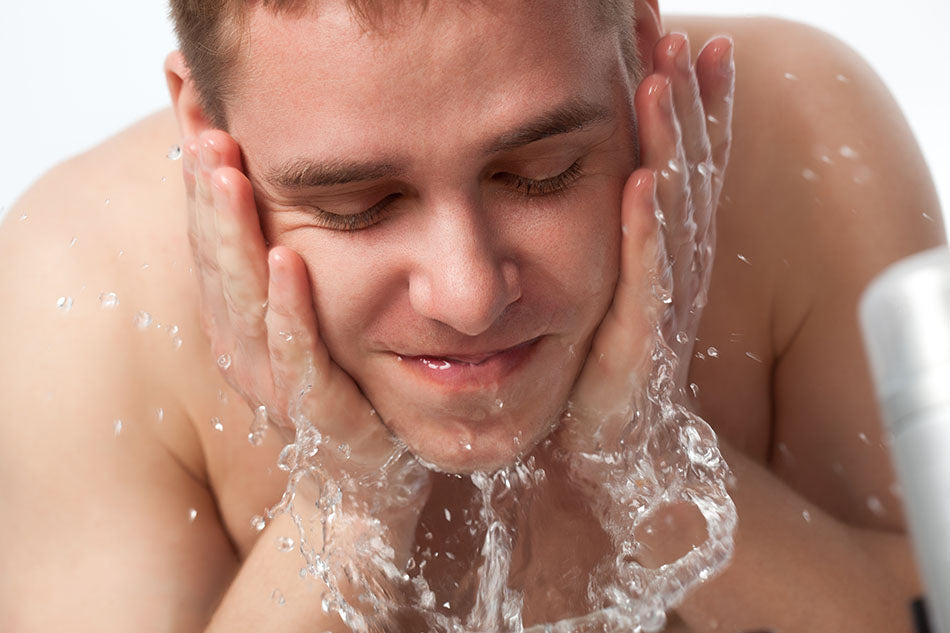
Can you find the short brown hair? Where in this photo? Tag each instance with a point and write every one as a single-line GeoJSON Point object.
{"type": "Point", "coordinates": [209, 34]}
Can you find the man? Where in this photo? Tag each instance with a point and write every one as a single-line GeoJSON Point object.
{"type": "Point", "coordinates": [475, 234]}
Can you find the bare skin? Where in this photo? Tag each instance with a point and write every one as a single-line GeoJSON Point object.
{"type": "Point", "coordinates": [788, 392]}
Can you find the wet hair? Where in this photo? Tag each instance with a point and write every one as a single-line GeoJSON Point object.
{"type": "Point", "coordinates": [209, 35]}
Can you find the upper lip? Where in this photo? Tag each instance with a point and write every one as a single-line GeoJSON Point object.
{"type": "Point", "coordinates": [472, 358]}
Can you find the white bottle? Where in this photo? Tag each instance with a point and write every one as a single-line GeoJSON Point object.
{"type": "Point", "coordinates": [905, 316]}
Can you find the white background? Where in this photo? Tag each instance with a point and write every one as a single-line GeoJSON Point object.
{"type": "Point", "coordinates": [74, 73]}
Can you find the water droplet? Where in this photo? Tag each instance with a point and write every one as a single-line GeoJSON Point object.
{"type": "Point", "coordinates": [624, 230]}
{"type": "Point", "coordinates": [862, 175]}
{"type": "Point", "coordinates": [864, 438]}
{"type": "Point", "coordinates": [258, 426]}
{"type": "Point", "coordinates": [284, 543]}
{"type": "Point", "coordinates": [809, 175]}
{"type": "Point", "coordinates": [224, 361]}
{"type": "Point", "coordinates": [174, 152]}
{"type": "Point", "coordinates": [674, 166]}
{"type": "Point", "coordinates": [173, 331]}
{"type": "Point", "coordinates": [160, 414]}
{"type": "Point", "coordinates": [842, 79]}
{"type": "Point", "coordinates": [466, 445]}
{"type": "Point", "coordinates": [144, 267]}
{"type": "Point", "coordinates": [447, 604]}
{"type": "Point", "coordinates": [448, 515]}
{"type": "Point", "coordinates": [682, 338]}
{"type": "Point", "coordinates": [107, 202]}
{"type": "Point", "coordinates": [278, 597]}
{"type": "Point", "coordinates": [344, 449]}
{"type": "Point", "coordinates": [192, 515]}
{"type": "Point", "coordinates": [500, 404]}
{"type": "Point", "coordinates": [694, 388]}
{"type": "Point", "coordinates": [216, 424]}
{"type": "Point", "coordinates": [73, 242]}
{"type": "Point", "coordinates": [927, 217]}
{"type": "Point", "coordinates": [142, 320]}
{"type": "Point", "coordinates": [875, 506]}
{"type": "Point", "coordinates": [713, 352]}
{"type": "Point", "coordinates": [704, 169]}
{"type": "Point", "coordinates": [658, 214]}
{"type": "Point", "coordinates": [754, 357]}
{"type": "Point", "coordinates": [65, 303]}
{"type": "Point", "coordinates": [108, 300]}
{"type": "Point", "coordinates": [806, 515]}
{"type": "Point", "coordinates": [743, 258]}
{"type": "Point", "coordinates": [848, 152]}
{"type": "Point", "coordinates": [791, 77]}
{"type": "Point", "coordinates": [700, 356]}
{"type": "Point", "coordinates": [712, 119]}
{"type": "Point", "coordinates": [117, 426]}
{"type": "Point", "coordinates": [258, 523]}
{"type": "Point", "coordinates": [286, 336]}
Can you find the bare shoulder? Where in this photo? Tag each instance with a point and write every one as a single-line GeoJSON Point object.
{"type": "Point", "coordinates": [826, 187]}
{"type": "Point", "coordinates": [111, 482]}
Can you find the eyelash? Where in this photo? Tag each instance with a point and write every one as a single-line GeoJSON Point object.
{"type": "Point", "coordinates": [525, 186]}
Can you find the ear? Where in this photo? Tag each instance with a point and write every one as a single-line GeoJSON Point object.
{"type": "Point", "coordinates": [186, 102]}
{"type": "Point", "coordinates": [649, 31]}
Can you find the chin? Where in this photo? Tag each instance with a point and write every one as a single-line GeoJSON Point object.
{"type": "Point", "coordinates": [464, 446]}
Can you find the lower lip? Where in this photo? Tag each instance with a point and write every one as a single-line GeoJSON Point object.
{"type": "Point", "coordinates": [456, 374]}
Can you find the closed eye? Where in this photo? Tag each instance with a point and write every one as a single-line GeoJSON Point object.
{"type": "Point", "coordinates": [547, 186]}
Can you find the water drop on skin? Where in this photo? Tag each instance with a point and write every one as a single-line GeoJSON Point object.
{"type": "Point", "coordinates": [806, 515]}
{"type": "Point", "coordinates": [791, 77]}
{"type": "Point", "coordinates": [278, 597]}
{"type": "Point", "coordinates": [754, 357]}
{"type": "Point", "coordinates": [224, 361]}
{"type": "Point", "coordinates": [65, 303]}
{"type": "Point", "coordinates": [848, 152]}
{"type": "Point", "coordinates": [744, 259]}
{"type": "Point", "coordinates": [73, 242]}
{"type": "Point", "coordinates": [809, 175]}
{"type": "Point", "coordinates": [117, 427]}
{"type": "Point", "coordinates": [286, 336]}
{"type": "Point", "coordinates": [713, 352]}
{"type": "Point", "coordinates": [192, 515]}
{"type": "Point", "coordinates": [160, 414]}
{"type": "Point", "coordinates": [842, 79]}
{"type": "Point", "coordinates": [173, 153]}
{"type": "Point", "coordinates": [682, 338]}
{"type": "Point", "coordinates": [284, 544]}
{"type": "Point", "coordinates": [216, 425]}
{"type": "Point", "coordinates": [448, 515]}
{"type": "Point", "coordinates": [142, 320]}
{"type": "Point", "coordinates": [864, 439]}
{"type": "Point", "coordinates": [108, 300]}
{"type": "Point", "coordinates": [875, 506]}
{"type": "Point", "coordinates": [258, 523]}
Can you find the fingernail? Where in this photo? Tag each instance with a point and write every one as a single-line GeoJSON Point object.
{"type": "Point", "coordinates": [726, 63]}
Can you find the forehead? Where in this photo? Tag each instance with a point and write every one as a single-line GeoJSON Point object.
{"type": "Point", "coordinates": [454, 72]}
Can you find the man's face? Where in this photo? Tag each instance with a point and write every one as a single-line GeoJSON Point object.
{"type": "Point", "coordinates": [453, 185]}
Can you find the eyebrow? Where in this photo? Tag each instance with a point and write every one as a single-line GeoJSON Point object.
{"type": "Point", "coordinates": [303, 173]}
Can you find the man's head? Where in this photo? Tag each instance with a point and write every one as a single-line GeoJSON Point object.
{"type": "Point", "coordinates": [452, 182]}
{"type": "Point", "coordinates": [210, 33]}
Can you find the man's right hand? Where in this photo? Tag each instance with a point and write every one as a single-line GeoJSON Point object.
{"type": "Point", "coordinates": [257, 310]}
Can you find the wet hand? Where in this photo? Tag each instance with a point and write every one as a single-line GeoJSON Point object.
{"type": "Point", "coordinates": [257, 310]}
{"type": "Point", "coordinates": [667, 213]}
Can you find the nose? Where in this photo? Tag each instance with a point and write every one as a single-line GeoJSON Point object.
{"type": "Point", "coordinates": [459, 278]}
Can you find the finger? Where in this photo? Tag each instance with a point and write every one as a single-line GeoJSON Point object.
{"type": "Point", "coordinates": [302, 366]}
{"type": "Point", "coordinates": [673, 59]}
{"type": "Point", "coordinates": [297, 356]}
{"type": "Point", "coordinates": [242, 260]}
{"type": "Point", "coordinates": [716, 75]}
{"type": "Point", "coordinates": [204, 246]}
{"type": "Point", "coordinates": [617, 364]}
{"type": "Point", "coordinates": [661, 148]}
